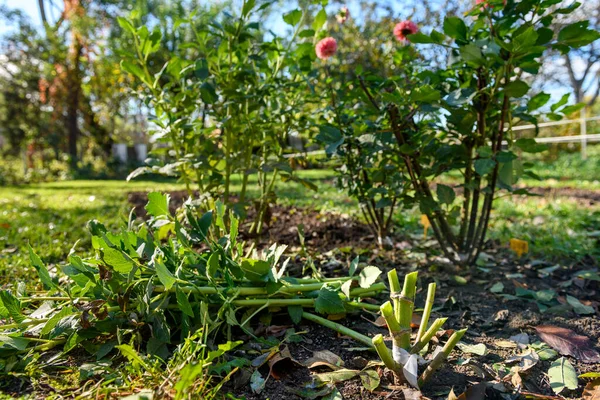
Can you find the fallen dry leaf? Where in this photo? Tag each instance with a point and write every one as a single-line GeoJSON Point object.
{"type": "Point", "coordinates": [568, 343]}
{"type": "Point", "coordinates": [281, 362]}
{"type": "Point", "coordinates": [475, 392]}
{"type": "Point", "coordinates": [592, 390]}
{"type": "Point", "coordinates": [324, 358]}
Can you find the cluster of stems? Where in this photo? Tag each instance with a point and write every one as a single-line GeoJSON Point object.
{"type": "Point", "coordinates": [398, 315]}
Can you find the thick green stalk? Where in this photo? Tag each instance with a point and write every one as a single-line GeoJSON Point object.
{"type": "Point", "coordinates": [385, 355]}
{"type": "Point", "coordinates": [406, 308]}
{"type": "Point", "coordinates": [426, 310]}
{"type": "Point", "coordinates": [393, 325]}
{"type": "Point", "coordinates": [339, 328]}
{"type": "Point", "coordinates": [441, 357]}
{"type": "Point", "coordinates": [294, 302]}
{"type": "Point", "coordinates": [394, 291]}
{"type": "Point", "coordinates": [436, 326]}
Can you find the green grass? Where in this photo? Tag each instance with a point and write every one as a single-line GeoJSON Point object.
{"type": "Point", "coordinates": [52, 217]}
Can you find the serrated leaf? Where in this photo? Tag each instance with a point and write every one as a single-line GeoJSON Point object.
{"type": "Point", "coordinates": [158, 204]}
{"type": "Point", "coordinates": [183, 302]}
{"type": "Point", "coordinates": [212, 266]}
{"type": "Point", "coordinates": [562, 375]}
{"type": "Point", "coordinates": [368, 276]}
{"type": "Point", "coordinates": [455, 28]}
{"type": "Point", "coordinates": [256, 270]}
{"type": "Point", "coordinates": [328, 302]}
{"type": "Point", "coordinates": [11, 305]}
{"type": "Point", "coordinates": [51, 323]}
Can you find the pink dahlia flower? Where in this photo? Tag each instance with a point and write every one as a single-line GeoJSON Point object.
{"type": "Point", "coordinates": [405, 28]}
{"type": "Point", "coordinates": [326, 48]}
{"type": "Point", "coordinates": [343, 15]}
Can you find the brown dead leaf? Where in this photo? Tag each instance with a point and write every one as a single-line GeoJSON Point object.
{"type": "Point", "coordinates": [324, 358]}
{"type": "Point", "coordinates": [379, 322]}
{"type": "Point", "coordinates": [281, 363]}
{"type": "Point", "coordinates": [336, 317]}
{"type": "Point", "coordinates": [592, 390]}
{"type": "Point", "coordinates": [5, 225]}
{"type": "Point", "coordinates": [568, 343]}
{"type": "Point", "coordinates": [277, 330]}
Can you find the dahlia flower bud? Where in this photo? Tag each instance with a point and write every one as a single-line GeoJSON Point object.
{"type": "Point", "coordinates": [343, 15]}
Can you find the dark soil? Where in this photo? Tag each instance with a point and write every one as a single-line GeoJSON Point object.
{"type": "Point", "coordinates": [490, 317]}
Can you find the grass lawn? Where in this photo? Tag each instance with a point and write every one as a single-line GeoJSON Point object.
{"type": "Point", "coordinates": [52, 217]}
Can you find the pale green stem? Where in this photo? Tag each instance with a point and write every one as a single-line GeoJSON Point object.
{"type": "Point", "coordinates": [386, 356]}
{"type": "Point", "coordinates": [406, 308]}
{"type": "Point", "coordinates": [393, 325]}
{"type": "Point", "coordinates": [339, 328]}
{"type": "Point", "coordinates": [441, 357]}
{"type": "Point", "coordinates": [426, 311]}
{"type": "Point", "coordinates": [436, 326]}
{"type": "Point", "coordinates": [395, 291]}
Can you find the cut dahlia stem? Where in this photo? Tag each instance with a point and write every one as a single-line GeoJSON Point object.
{"type": "Point", "coordinates": [386, 356]}
{"type": "Point", "coordinates": [393, 325]}
{"type": "Point", "coordinates": [407, 304]}
{"type": "Point", "coordinates": [441, 357]}
{"type": "Point", "coordinates": [339, 328]}
{"type": "Point", "coordinates": [436, 326]}
{"type": "Point", "coordinates": [426, 311]}
{"type": "Point", "coordinates": [394, 292]}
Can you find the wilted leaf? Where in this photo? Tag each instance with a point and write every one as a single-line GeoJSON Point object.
{"type": "Point", "coordinates": [562, 375]}
{"type": "Point", "coordinates": [592, 390]}
{"type": "Point", "coordinates": [324, 358]}
{"type": "Point", "coordinates": [498, 287]}
{"type": "Point", "coordinates": [257, 382]}
{"type": "Point", "coordinates": [329, 302]}
{"type": "Point", "coordinates": [475, 392]}
{"type": "Point", "coordinates": [579, 308]}
{"type": "Point", "coordinates": [479, 349]}
{"type": "Point", "coordinates": [370, 379]}
{"type": "Point", "coordinates": [526, 360]}
{"type": "Point", "coordinates": [340, 375]}
{"type": "Point", "coordinates": [521, 338]}
{"type": "Point", "coordinates": [568, 343]}
{"type": "Point", "coordinates": [281, 363]}
{"type": "Point", "coordinates": [547, 354]}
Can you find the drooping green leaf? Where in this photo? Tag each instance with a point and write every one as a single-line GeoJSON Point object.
{"type": "Point", "coordinates": [54, 320]}
{"type": "Point", "coordinates": [11, 305]}
{"type": "Point", "coordinates": [212, 266]}
{"type": "Point", "coordinates": [353, 266]}
{"type": "Point", "coordinates": [331, 137]}
{"type": "Point", "coordinates": [320, 20]}
{"type": "Point", "coordinates": [516, 88]}
{"type": "Point", "coordinates": [471, 54]}
{"type": "Point", "coordinates": [529, 145]}
{"type": "Point", "coordinates": [537, 101]}
{"type": "Point", "coordinates": [41, 269]}
{"type": "Point", "coordinates": [164, 275]}
{"type": "Point", "coordinates": [116, 259]}
{"type": "Point", "coordinates": [562, 375]}
{"type": "Point", "coordinates": [184, 302]}
{"type": "Point", "coordinates": [158, 204]}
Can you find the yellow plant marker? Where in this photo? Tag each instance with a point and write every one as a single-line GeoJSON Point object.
{"type": "Point", "coordinates": [519, 246]}
{"type": "Point", "coordinates": [426, 224]}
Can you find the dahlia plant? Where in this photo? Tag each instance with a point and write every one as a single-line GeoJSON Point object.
{"type": "Point", "coordinates": [458, 119]}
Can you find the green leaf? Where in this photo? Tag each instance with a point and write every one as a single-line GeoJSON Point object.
{"type": "Point", "coordinates": [578, 307]}
{"type": "Point", "coordinates": [132, 355]}
{"type": "Point", "coordinates": [562, 375]}
{"type": "Point", "coordinates": [329, 302]}
{"type": "Point", "coordinates": [529, 145]}
{"type": "Point", "coordinates": [547, 354]}
{"type": "Point", "coordinates": [41, 269]}
{"type": "Point", "coordinates": [295, 313]}
{"type": "Point", "coordinates": [330, 136]}
{"type": "Point", "coordinates": [471, 54]}
{"type": "Point", "coordinates": [256, 270]}
{"type": "Point", "coordinates": [455, 28]}
{"type": "Point", "coordinates": [572, 109]}
{"type": "Point", "coordinates": [212, 266]}
{"type": "Point", "coordinates": [257, 382]}
{"type": "Point", "coordinates": [537, 101]}
{"type": "Point", "coordinates": [183, 302]}
{"type": "Point", "coordinates": [563, 100]}
{"type": "Point", "coordinates": [498, 287]}
{"type": "Point", "coordinates": [51, 323]}
{"type": "Point", "coordinates": [340, 375]}
{"type": "Point", "coordinates": [420, 38]}
{"type": "Point", "coordinates": [164, 275]}
{"type": "Point", "coordinates": [577, 34]}
{"type": "Point", "coordinates": [134, 70]}
{"type": "Point", "coordinates": [248, 6]}
{"type": "Point", "coordinates": [320, 20]}
{"type": "Point", "coordinates": [293, 17]}
{"type": "Point", "coordinates": [484, 166]}
{"type": "Point", "coordinates": [117, 260]}
{"type": "Point", "coordinates": [11, 305]}
{"type": "Point", "coordinates": [126, 25]}
{"type": "Point", "coordinates": [445, 194]}
{"type": "Point", "coordinates": [17, 343]}
{"type": "Point", "coordinates": [368, 276]}
{"type": "Point", "coordinates": [158, 204]}
{"type": "Point", "coordinates": [516, 88]}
